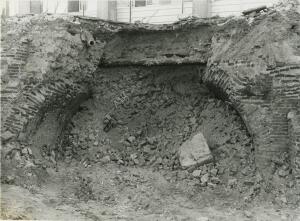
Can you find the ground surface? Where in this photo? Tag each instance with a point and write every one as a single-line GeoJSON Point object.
{"type": "Point", "coordinates": [118, 158]}
{"type": "Point", "coordinates": [127, 193]}
{"type": "Point", "coordinates": [86, 138]}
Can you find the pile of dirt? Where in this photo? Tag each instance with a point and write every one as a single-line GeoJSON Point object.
{"type": "Point", "coordinates": [141, 116]}
{"type": "Point", "coordinates": [88, 133]}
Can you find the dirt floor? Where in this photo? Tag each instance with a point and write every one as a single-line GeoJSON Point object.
{"type": "Point", "coordinates": [99, 132]}
{"type": "Point", "coordinates": [118, 158]}
{"type": "Point", "coordinates": [128, 193]}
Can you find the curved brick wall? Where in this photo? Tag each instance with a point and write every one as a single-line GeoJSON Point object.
{"type": "Point", "coordinates": [256, 71]}
{"type": "Point", "coordinates": [257, 66]}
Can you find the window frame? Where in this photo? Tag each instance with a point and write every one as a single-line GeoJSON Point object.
{"type": "Point", "coordinates": [72, 10]}
{"type": "Point", "coordinates": [40, 4]}
{"type": "Point", "coordinates": [147, 3]}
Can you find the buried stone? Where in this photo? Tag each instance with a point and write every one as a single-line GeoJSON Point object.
{"type": "Point", "coordinates": [7, 135]}
{"type": "Point", "coordinates": [194, 152]}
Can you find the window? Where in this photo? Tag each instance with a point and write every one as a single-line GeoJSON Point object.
{"type": "Point", "coordinates": [140, 3]}
{"type": "Point", "coordinates": [36, 7]}
{"type": "Point", "coordinates": [164, 2]}
{"type": "Point", "coordinates": [73, 6]}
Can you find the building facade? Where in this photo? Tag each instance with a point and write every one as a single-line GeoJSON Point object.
{"type": "Point", "coordinates": [147, 11]}
{"type": "Point", "coordinates": [93, 8]}
{"type": "Point", "coordinates": [153, 11]}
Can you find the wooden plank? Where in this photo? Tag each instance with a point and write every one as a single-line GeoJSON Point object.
{"type": "Point", "coordinates": [235, 7]}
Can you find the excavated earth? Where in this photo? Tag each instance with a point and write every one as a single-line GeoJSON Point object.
{"type": "Point", "coordinates": [94, 115]}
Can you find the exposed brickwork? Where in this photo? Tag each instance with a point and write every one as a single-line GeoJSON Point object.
{"type": "Point", "coordinates": [259, 81]}
{"type": "Point", "coordinates": [12, 62]}
{"type": "Point", "coordinates": [294, 133]}
{"type": "Point", "coordinates": [35, 101]}
{"type": "Point", "coordinates": [34, 80]}
{"type": "Point", "coordinates": [263, 105]}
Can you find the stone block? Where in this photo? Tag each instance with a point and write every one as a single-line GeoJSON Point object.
{"type": "Point", "coordinates": [194, 152]}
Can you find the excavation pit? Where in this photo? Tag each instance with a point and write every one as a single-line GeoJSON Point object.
{"type": "Point", "coordinates": [104, 120]}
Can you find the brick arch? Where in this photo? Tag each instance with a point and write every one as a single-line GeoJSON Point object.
{"type": "Point", "coordinates": [262, 93]}
{"type": "Point", "coordinates": [32, 106]}
{"type": "Point", "coordinates": [264, 106]}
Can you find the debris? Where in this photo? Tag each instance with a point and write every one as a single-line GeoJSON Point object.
{"type": "Point", "coordinates": [196, 173]}
{"type": "Point", "coordinates": [211, 185]}
{"type": "Point", "coordinates": [26, 151]}
{"type": "Point", "coordinates": [215, 180]}
{"type": "Point", "coordinates": [131, 139]}
{"type": "Point", "coordinates": [214, 172]}
{"type": "Point", "coordinates": [105, 159]}
{"type": "Point", "coordinates": [232, 183]}
{"type": "Point", "coordinates": [194, 152]}
{"type": "Point", "coordinates": [204, 179]}
{"type": "Point", "coordinates": [16, 156]}
{"type": "Point", "coordinates": [151, 140]}
{"type": "Point", "coordinates": [283, 171]}
{"type": "Point", "coordinates": [257, 9]}
{"type": "Point", "coordinates": [248, 214]}
{"type": "Point", "coordinates": [182, 174]}
{"type": "Point", "coordinates": [109, 122]}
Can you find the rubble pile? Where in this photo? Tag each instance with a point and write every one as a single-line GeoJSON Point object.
{"type": "Point", "coordinates": [202, 104]}
{"type": "Point", "coordinates": [149, 117]}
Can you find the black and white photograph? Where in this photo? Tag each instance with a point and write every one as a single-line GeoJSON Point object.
{"type": "Point", "coordinates": [150, 110]}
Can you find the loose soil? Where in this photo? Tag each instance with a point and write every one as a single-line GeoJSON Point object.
{"type": "Point", "coordinates": [118, 157]}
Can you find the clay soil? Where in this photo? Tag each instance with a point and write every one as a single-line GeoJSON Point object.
{"type": "Point", "coordinates": [118, 157]}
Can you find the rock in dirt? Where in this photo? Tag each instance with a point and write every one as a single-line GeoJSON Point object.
{"type": "Point", "coordinates": [248, 214]}
{"type": "Point", "coordinates": [196, 173]}
{"type": "Point", "coordinates": [283, 172]}
{"type": "Point", "coordinates": [105, 160]}
{"type": "Point", "coordinates": [26, 151]}
{"type": "Point", "coordinates": [7, 135]}
{"type": "Point", "coordinates": [232, 182]}
{"type": "Point", "coordinates": [131, 139]}
{"type": "Point", "coordinates": [194, 152]}
{"type": "Point", "coordinates": [204, 178]}
{"type": "Point", "coordinates": [214, 172]}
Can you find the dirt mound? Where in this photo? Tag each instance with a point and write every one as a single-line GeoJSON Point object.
{"type": "Point", "coordinates": [102, 124]}
{"type": "Point", "coordinates": [152, 111]}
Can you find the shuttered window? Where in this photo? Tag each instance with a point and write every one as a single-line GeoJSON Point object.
{"type": "Point", "coordinates": [73, 6]}
{"type": "Point", "coordinates": [140, 3]}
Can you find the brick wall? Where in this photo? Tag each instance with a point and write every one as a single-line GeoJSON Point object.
{"type": "Point", "coordinates": [262, 88]}
{"type": "Point", "coordinates": [12, 62]}
{"type": "Point", "coordinates": [294, 133]}
{"type": "Point", "coordinates": [39, 100]}
{"type": "Point", "coordinates": [33, 80]}
{"type": "Point", "coordinates": [263, 104]}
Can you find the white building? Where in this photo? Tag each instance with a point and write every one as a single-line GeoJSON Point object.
{"type": "Point", "coordinates": [153, 11]}
{"type": "Point", "coordinates": [147, 11]}
{"type": "Point", "coordinates": [93, 8]}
